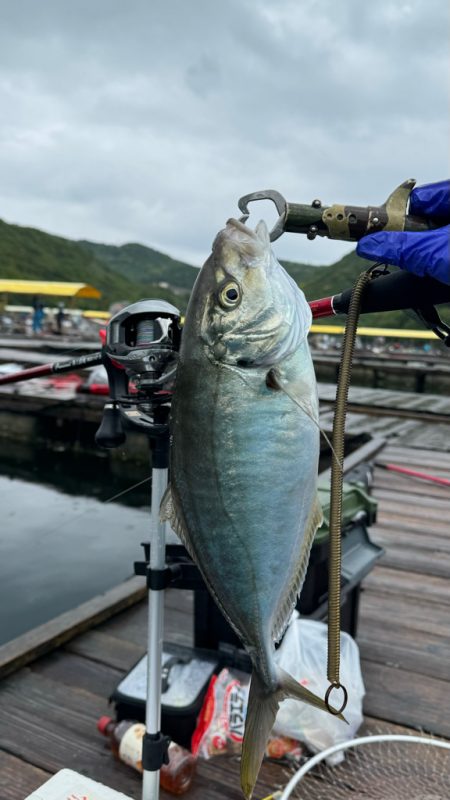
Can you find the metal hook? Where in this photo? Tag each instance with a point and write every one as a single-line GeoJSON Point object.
{"type": "Point", "coordinates": [280, 204]}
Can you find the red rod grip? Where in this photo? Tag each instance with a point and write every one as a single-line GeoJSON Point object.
{"type": "Point", "coordinates": [322, 308]}
{"type": "Point", "coordinates": [26, 374]}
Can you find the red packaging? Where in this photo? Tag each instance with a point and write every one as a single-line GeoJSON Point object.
{"type": "Point", "coordinates": [220, 726]}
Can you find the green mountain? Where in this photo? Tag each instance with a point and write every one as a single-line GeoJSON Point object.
{"type": "Point", "coordinates": [28, 253]}
{"type": "Point", "coordinates": [142, 265]}
{"type": "Point", "coordinates": [132, 271]}
{"type": "Point", "coordinates": [302, 273]}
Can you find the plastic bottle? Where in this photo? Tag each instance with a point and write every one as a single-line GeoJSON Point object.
{"type": "Point", "coordinates": [125, 738]}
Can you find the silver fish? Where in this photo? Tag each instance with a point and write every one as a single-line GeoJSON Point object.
{"type": "Point", "coordinates": [244, 457]}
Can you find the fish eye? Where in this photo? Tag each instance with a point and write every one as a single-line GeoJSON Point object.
{"type": "Point", "coordinates": [230, 295]}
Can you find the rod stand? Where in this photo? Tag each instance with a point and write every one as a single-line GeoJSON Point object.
{"type": "Point", "coordinates": [140, 356]}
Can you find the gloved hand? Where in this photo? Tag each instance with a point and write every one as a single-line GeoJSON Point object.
{"type": "Point", "coordinates": [426, 253]}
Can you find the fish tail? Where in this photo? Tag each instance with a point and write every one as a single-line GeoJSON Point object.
{"type": "Point", "coordinates": [261, 712]}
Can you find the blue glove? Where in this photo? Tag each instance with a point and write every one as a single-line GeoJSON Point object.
{"type": "Point", "coordinates": [426, 253]}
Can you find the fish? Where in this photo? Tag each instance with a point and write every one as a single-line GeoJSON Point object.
{"type": "Point", "coordinates": [244, 458]}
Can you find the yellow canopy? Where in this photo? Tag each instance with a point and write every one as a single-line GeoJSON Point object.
{"type": "Point", "coordinates": [96, 314]}
{"type": "Point", "coordinates": [59, 288]}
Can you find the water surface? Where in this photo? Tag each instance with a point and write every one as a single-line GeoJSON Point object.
{"type": "Point", "coordinates": [60, 542]}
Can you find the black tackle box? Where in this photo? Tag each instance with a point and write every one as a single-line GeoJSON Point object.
{"type": "Point", "coordinates": [186, 673]}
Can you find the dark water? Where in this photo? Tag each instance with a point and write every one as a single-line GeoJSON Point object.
{"type": "Point", "coordinates": [65, 534]}
{"type": "Point", "coordinates": [61, 542]}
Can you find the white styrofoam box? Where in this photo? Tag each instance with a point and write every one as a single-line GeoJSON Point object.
{"type": "Point", "coordinates": [187, 679]}
{"type": "Point", "coordinates": [69, 785]}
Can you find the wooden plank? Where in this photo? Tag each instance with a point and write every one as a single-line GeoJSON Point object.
{"type": "Point", "coordinates": [178, 625]}
{"type": "Point", "coordinates": [105, 649]}
{"type": "Point", "coordinates": [384, 401]}
{"type": "Point", "coordinates": [419, 561]}
{"type": "Point", "coordinates": [432, 461]}
{"type": "Point", "coordinates": [416, 510]}
{"type": "Point", "coordinates": [411, 497]}
{"type": "Point", "coordinates": [18, 778]}
{"type": "Point", "coordinates": [402, 485]}
{"type": "Point", "coordinates": [384, 580]}
{"type": "Point", "coordinates": [364, 453]}
{"type": "Point", "coordinates": [70, 669]}
{"type": "Point", "coordinates": [53, 725]}
{"type": "Point", "coordinates": [406, 697]}
{"type": "Point", "coordinates": [130, 625]}
{"type": "Point", "coordinates": [46, 708]}
{"type": "Point", "coordinates": [420, 616]}
{"type": "Point", "coordinates": [430, 435]}
{"type": "Point", "coordinates": [410, 535]}
{"type": "Point", "coordinates": [423, 454]}
{"type": "Point", "coordinates": [373, 725]}
{"type": "Point", "coordinates": [392, 647]}
{"type": "Point", "coordinates": [66, 626]}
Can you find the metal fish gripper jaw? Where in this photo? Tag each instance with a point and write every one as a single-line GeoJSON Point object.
{"type": "Point", "coordinates": [280, 204]}
{"type": "Point", "coordinates": [340, 221]}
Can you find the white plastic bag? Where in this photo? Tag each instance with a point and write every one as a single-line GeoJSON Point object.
{"type": "Point", "coordinates": [303, 653]}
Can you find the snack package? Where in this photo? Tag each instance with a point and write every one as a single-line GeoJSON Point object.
{"type": "Point", "coordinates": [220, 727]}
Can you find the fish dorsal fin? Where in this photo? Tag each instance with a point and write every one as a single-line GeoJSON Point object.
{"type": "Point", "coordinates": [170, 511]}
{"type": "Point", "coordinates": [289, 600]}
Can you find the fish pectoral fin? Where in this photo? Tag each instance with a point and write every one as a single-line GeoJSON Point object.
{"type": "Point", "coordinates": [170, 511]}
{"type": "Point", "coordinates": [261, 713]}
{"type": "Point", "coordinates": [274, 381]}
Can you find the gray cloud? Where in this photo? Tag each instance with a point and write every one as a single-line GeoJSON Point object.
{"type": "Point", "coordinates": [147, 120]}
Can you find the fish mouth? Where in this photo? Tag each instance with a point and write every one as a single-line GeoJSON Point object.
{"type": "Point", "coordinates": [240, 226]}
{"type": "Point", "coordinates": [238, 241]}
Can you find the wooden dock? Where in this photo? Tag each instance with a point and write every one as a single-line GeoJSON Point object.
{"type": "Point", "coordinates": [419, 372]}
{"type": "Point", "coordinates": [50, 701]}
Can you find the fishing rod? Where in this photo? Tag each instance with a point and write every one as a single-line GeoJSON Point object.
{"type": "Point", "coordinates": [412, 473]}
{"type": "Point", "coordinates": [390, 292]}
{"type": "Point", "coordinates": [394, 291]}
{"type": "Point", "coordinates": [44, 370]}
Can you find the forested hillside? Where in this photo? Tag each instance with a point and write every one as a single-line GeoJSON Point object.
{"type": "Point", "coordinates": [133, 271]}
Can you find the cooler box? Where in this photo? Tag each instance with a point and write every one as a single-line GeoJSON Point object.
{"type": "Point", "coordinates": [185, 677]}
{"type": "Point", "coordinates": [68, 785]}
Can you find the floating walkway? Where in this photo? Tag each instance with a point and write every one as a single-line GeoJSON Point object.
{"type": "Point", "coordinates": [61, 675]}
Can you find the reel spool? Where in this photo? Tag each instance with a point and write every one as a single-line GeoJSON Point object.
{"type": "Point", "coordinates": [143, 339]}
{"type": "Point", "coordinates": [142, 343]}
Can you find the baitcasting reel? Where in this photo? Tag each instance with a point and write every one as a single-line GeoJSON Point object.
{"type": "Point", "coordinates": [140, 356]}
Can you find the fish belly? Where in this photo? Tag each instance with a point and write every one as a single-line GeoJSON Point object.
{"type": "Point", "coordinates": [244, 471]}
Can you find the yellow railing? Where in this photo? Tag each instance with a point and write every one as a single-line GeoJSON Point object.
{"type": "Point", "coordinates": [396, 333]}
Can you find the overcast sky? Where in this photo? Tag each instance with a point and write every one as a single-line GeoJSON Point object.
{"type": "Point", "coordinates": [146, 120]}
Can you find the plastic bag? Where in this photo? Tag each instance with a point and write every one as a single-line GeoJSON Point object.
{"type": "Point", "coordinates": [220, 726]}
{"type": "Point", "coordinates": [303, 653]}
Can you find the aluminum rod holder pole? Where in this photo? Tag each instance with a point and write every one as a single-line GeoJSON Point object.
{"type": "Point", "coordinates": [150, 783]}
